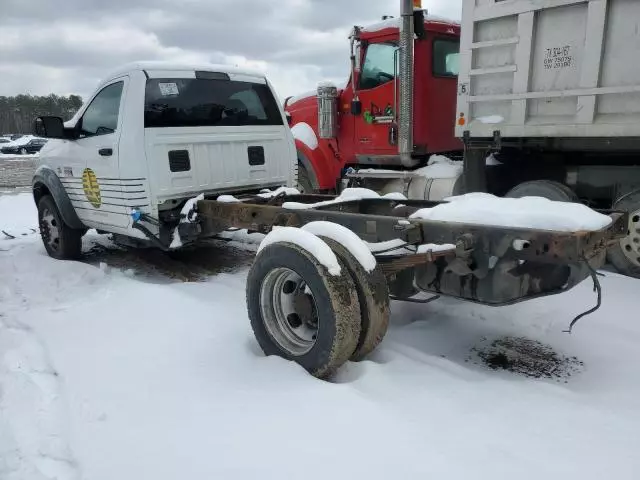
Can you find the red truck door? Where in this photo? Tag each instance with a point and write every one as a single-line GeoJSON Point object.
{"type": "Point", "coordinates": [376, 89]}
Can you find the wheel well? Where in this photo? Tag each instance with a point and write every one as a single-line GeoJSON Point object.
{"type": "Point", "coordinates": [304, 162]}
{"type": "Point", "coordinates": [39, 191]}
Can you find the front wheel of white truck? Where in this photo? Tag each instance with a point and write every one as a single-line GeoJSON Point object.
{"type": "Point", "coordinates": [60, 241]}
{"type": "Point", "coordinates": [625, 256]}
{"type": "Point", "coordinates": [301, 312]}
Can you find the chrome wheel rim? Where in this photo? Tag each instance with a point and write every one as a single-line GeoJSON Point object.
{"type": "Point", "coordinates": [631, 243]}
{"type": "Point", "coordinates": [50, 229]}
{"type": "Point", "coordinates": [289, 311]}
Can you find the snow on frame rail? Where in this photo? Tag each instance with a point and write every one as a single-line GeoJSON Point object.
{"type": "Point", "coordinates": [377, 220]}
{"type": "Point", "coordinates": [471, 262]}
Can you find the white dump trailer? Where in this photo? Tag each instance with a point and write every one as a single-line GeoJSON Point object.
{"type": "Point", "coordinates": [552, 87]}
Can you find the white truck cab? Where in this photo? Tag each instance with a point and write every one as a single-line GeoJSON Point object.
{"type": "Point", "coordinates": [152, 136]}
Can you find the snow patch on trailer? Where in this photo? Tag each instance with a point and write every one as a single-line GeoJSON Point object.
{"type": "Point", "coordinates": [242, 236]}
{"type": "Point", "coordinates": [306, 240]}
{"type": "Point", "coordinates": [347, 239]}
{"type": "Point", "coordinates": [227, 199]}
{"type": "Point", "coordinates": [435, 248]}
{"type": "Point", "coordinates": [303, 132]}
{"type": "Point", "coordinates": [279, 191]}
{"type": "Point", "coordinates": [528, 212]}
{"type": "Point", "coordinates": [347, 195]}
{"type": "Point", "coordinates": [387, 246]}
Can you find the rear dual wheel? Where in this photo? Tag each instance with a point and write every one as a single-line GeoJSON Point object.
{"type": "Point", "coordinates": [625, 256]}
{"type": "Point", "coordinates": [373, 297]}
{"type": "Point", "coordinates": [302, 313]}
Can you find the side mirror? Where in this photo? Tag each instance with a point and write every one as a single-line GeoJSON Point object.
{"type": "Point", "coordinates": [49, 127]}
{"type": "Point", "coordinates": [356, 107]}
{"type": "Point", "coordinates": [418, 24]}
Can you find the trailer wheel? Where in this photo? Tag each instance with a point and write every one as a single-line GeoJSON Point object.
{"type": "Point", "coordinates": [373, 295]}
{"type": "Point", "coordinates": [300, 312]}
{"type": "Point", "coordinates": [625, 256]}
{"type": "Point", "coordinates": [548, 189]}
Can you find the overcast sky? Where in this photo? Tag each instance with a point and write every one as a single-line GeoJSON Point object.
{"type": "Point", "coordinates": [66, 46]}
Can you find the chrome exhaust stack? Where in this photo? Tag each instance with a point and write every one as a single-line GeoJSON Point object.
{"type": "Point", "coordinates": [405, 116]}
{"type": "Point", "coordinates": [327, 111]}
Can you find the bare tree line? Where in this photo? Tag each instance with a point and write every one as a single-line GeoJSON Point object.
{"type": "Point", "coordinates": [17, 113]}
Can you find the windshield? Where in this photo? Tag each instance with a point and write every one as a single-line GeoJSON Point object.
{"type": "Point", "coordinates": [179, 102]}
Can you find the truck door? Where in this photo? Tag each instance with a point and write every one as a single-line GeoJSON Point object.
{"type": "Point", "coordinates": [376, 90]}
{"type": "Point", "coordinates": [100, 130]}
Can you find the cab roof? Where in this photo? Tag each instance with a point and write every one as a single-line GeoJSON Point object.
{"type": "Point", "coordinates": [431, 22]}
{"type": "Point", "coordinates": [181, 67]}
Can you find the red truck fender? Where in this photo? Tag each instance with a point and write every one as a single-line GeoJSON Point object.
{"type": "Point", "coordinates": [317, 166]}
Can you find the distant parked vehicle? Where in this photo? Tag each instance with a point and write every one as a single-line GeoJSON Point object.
{"type": "Point", "coordinates": [26, 147]}
{"type": "Point", "coordinates": [4, 140]}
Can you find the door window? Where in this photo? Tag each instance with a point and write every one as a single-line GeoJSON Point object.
{"type": "Point", "coordinates": [446, 57]}
{"type": "Point", "coordinates": [101, 116]}
{"type": "Point", "coordinates": [379, 65]}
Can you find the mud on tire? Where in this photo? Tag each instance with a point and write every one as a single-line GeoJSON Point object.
{"type": "Point", "coordinates": [373, 295]}
{"type": "Point", "coordinates": [288, 294]}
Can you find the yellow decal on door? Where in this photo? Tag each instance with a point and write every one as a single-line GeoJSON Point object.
{"type": "Point", "coordinates": [91, 187]}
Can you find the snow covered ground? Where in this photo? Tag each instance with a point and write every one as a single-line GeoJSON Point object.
{"type": "Point", "coordinates": [106, 375]}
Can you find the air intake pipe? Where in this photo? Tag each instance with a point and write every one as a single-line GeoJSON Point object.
{"type": "Point", "coordinates": [405, 115]}
{"type": "Point", "coordinates": [327, 111]}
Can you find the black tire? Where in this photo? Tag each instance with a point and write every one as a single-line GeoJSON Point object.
{"type": "Point", "coordinates": [60, 241]}
{"type": "Point", "coordinates": [373, 295]}
{"type": "Point", "coordinates": [336, 307]}
{"type": "Point", "coordinates": [304, 180]}
{"type": "Point", "coordinates": [23, 151]}
{"type": "Point", "coordinates": [623, 262]}
{"type": "Point", "coordinates": [548, 189]}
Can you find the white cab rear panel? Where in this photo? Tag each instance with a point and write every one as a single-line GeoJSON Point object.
{"type": "Point", "coordinates": [214, 132]}
{"type": "Point", "coordinates": [219, 159]}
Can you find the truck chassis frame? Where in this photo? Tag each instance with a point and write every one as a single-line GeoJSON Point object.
{"type": "Point", "coordinates": [547, 263]}
{"type": "Point", "coordinates": [484, 264]}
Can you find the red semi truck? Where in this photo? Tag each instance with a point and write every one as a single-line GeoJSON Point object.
{"type": "Point", "coordinates": [365, 123]}
{"type": "Point", "coordinates": [558, 107]}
